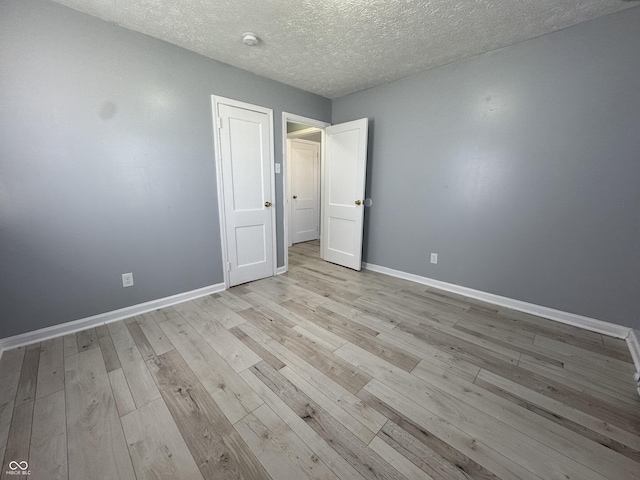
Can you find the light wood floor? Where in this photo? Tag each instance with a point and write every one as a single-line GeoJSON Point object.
{"type": "Point", "coordinates": [323, 373]}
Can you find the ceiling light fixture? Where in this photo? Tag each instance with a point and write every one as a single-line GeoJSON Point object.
{"type": "Point", "coordinates": [250, 39]}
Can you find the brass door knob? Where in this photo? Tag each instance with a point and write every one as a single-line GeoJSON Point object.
{"type": "Point", "coordinates": [358, 202]}
{"type": "Point", "coordinates": [295, 196]}
{"type": "Point", "coordinates": [267, 204]}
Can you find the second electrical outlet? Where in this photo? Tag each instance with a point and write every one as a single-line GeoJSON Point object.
{"type": "Point", "coordinates": [434, 258]}
{"type": "Point", "coordinates": [127, 279]}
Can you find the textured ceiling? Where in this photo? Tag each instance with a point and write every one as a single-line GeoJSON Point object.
{"type": "Point", "coordinates": [337, 47]}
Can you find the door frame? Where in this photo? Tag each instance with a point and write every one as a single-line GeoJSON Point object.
{"type": "Point", "coordinates": [216, 100]}
{"type": "Point", "coordinates": [291, 117]}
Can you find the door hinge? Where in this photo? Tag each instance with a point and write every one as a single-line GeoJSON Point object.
{"type": "Point", "coordinates": [228, 266]}
{"type": "Point", "coordinates": [219, 121]}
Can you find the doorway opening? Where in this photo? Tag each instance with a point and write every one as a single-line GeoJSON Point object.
{"type": "Point", "coordinates": [303, 151]}
{"type": "Point", "coordinates": [343, 159]}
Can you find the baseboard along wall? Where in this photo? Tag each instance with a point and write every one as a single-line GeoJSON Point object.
{"type": "Point", "coordinates": [630, 335]}
{"type": "Point", "coordinates": [599, 326]}
{"type": "Point", "coordinates": [103, 318]}
{"type": "Point", "coordinates": [595, 325]}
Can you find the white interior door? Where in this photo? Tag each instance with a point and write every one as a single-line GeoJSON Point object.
{"type": "Point", "coordinates": [304, 201]}
{"type": "Point", "coordinates": [245, 148]}
{"type": "Point", "coordinates": [343, 193]}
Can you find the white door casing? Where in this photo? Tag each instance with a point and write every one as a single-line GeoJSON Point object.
{"type": "Point", "coordinates": [245, 167]}
{"type": "Point", "coordinates": [343, 193]}
{"type": "Point", "coordinates": [304, 181]}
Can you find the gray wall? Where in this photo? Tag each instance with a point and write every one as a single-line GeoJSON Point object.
{"type": "Point", "coordinates": [107, 165]}
{"type": "Point", "coordinates": [520, 168]}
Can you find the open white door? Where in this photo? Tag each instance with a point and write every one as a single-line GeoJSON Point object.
{"type": "Point", "coordinates": [343, 193]}
{"type": "Point", "coordinates": [245, 160]}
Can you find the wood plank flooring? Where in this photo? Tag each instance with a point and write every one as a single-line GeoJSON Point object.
{"type": "Point", "coordinates": [323, 373]}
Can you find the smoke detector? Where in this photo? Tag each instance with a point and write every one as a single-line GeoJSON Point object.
{"type": "Point", "coordinates": [250, 39]}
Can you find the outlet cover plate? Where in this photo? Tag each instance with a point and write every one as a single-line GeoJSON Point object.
{"type": "Point", "coordinates": [127, 280]}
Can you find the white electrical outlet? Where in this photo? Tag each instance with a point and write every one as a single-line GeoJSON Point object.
{"type": "Point", "coordinates": [434, 258]}
{"type": "Point", "coordinates": [127, 280]}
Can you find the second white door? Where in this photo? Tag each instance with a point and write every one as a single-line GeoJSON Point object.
{"type": "Point", "coordinates": [304, 181]}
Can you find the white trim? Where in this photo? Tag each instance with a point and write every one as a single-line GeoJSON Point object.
{"type": "Point", "coordinates": [215, 102]}
{"type": "Point", "coordinates": [218, 163]}
{"type": "Point", "coordinates": [291, 117]}
{"type": "Point", "coordinates": [102, 318]}
{"type": "Point", "coordinates": [281, 270]}
{"type": "Point", "coordinates": [287, 204]}
{"type": "Point", "coordinates": [587, 323]}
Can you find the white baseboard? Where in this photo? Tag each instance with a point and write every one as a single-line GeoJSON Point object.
{"type": "Point", "coordinates": [599, 326]}
{"type": "Point", "coordinates": [103, 318]}
{"type": "Point", "coordinates": [281, 270]}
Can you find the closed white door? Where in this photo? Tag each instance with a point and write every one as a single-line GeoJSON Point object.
{"type": "Point", "coordinates": [304, 181]}
{"type": "Point", "coordinates": [245, 147]}
{"type": "Point", "coordinates": [343, 193]}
